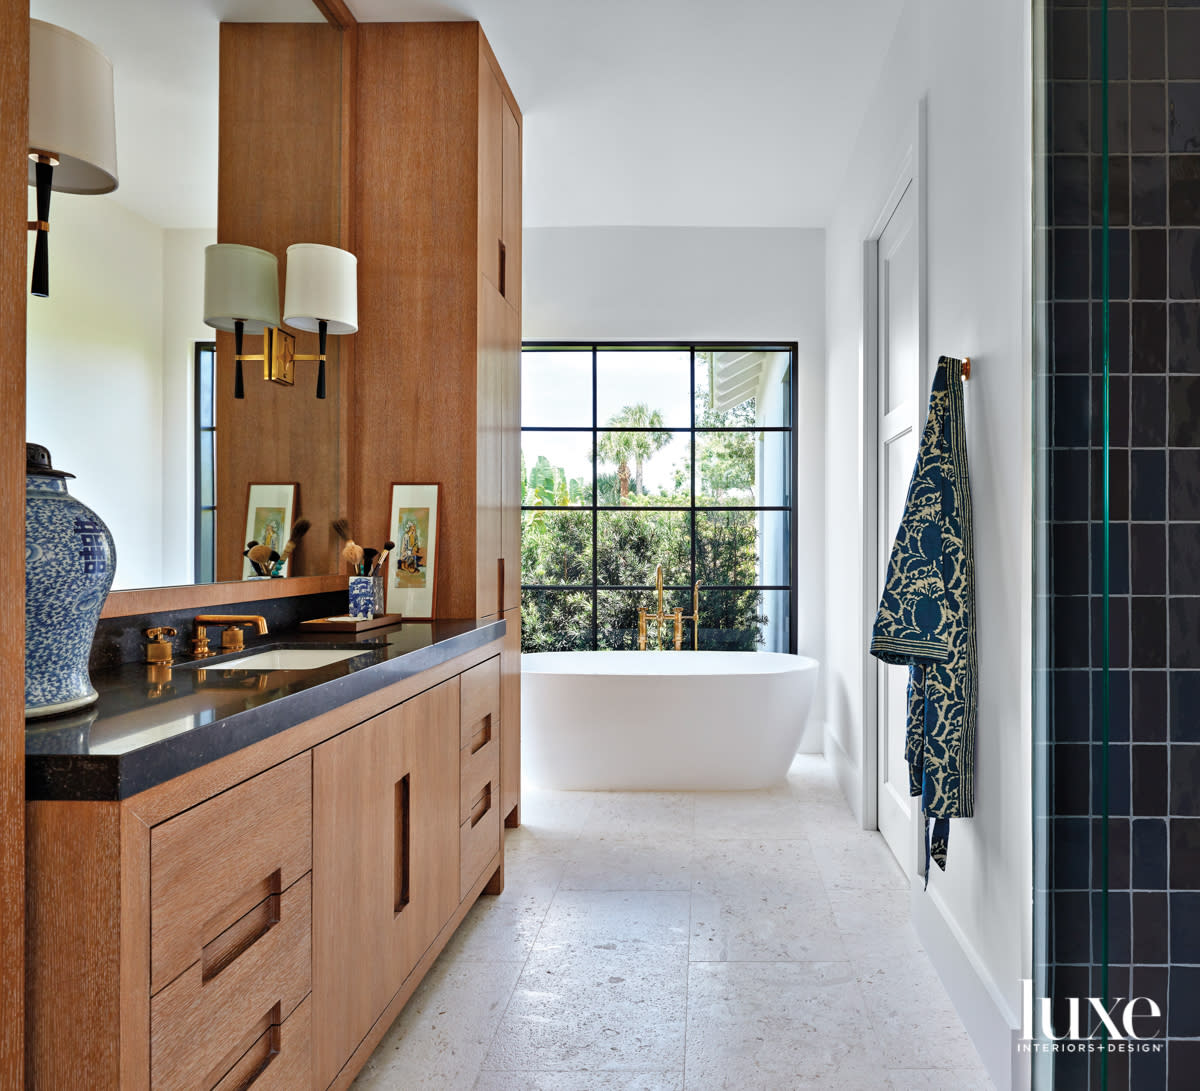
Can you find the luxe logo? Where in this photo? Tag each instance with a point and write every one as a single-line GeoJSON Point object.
{"type": "Point", "coordinates": [1037, 1019]}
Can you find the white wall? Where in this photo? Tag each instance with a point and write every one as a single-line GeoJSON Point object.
{"type": "Point", "coordinates": [183, 325]}
{"type": "Point", "coordinates": [715, 284]}
{"type": "Point", "coordinates": [94, 375]}
{"type": "Point", "coordinates": [971, 61]}
{"type": "Point", "coordinates": [109, 366]}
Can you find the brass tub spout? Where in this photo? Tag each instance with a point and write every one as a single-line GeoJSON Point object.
{"type": "Point", "coordinates": [677, 617]}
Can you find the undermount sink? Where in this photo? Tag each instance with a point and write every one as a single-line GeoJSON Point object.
{"type": "Point", "coordinates": [289, 659]}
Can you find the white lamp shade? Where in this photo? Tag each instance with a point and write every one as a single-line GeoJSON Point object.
{"type": "Point", "coordinates": [240, 283]}
{"type": "Point", "coordinates": [322, 285]}
{"type": "Point", "coordinates": [71, 113]}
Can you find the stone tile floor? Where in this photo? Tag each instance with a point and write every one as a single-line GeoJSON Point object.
{"type": "Point", "coordinates": [685, 942]}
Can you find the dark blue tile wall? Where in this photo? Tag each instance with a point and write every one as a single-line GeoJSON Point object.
{"type": "Point", "coordinates": [1153, 764]}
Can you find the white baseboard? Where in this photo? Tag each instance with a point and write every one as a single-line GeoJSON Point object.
{"type": "Point", "coordinates": [813, 739]}
{"type": "Point", "coordinates": [845, 772]}
{"type": "Point", "coordinates": [993, 1027]}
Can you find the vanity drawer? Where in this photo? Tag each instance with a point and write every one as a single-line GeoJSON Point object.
{"type": "Point", "coordinates": [475, 771]}
{"type": "Point", "coordinates": [279, 1059]}
{"type": "Point", "coordinates": [479, 835]}
{"type": "Point", "coordinates": [207, 1018]}
{"type": "Point", "coordinates": [211, 865]}
{"type": "Point", "coordinates": [479, 699]}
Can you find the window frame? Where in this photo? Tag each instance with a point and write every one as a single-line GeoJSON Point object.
{"type": "Point", "coordinates": [202, 348]}
{"type": "Point", "coordinates": [789, 509]}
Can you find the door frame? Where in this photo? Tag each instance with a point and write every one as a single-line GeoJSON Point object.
{"type": "Point", "coordinates": [910, 170]}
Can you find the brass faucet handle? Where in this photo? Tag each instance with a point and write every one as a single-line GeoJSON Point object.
{"type": "Point", "coordinates": [232, 637]}
{"type": "Point", "coordinates": [200, 648]}
{"type": "Point", "coordinates": [159, 649]}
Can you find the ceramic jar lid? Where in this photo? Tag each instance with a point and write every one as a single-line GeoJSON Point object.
{"type": "Point", "coordinates": [37, 462]}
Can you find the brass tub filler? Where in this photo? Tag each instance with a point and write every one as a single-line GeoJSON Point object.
{"type": "Point", "coordinates": [677, 617]}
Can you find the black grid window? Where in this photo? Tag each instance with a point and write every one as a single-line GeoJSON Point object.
{"type": "Point", "coordinates": [641, 454]}
{"type": "Point", "coordinates": [206, 461]}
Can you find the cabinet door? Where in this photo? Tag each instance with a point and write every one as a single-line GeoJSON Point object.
{"type": "Point", "coordinates": [385, 863]}
{"type": "Point", "coordinates": [511, 212]}
{"type": "Point", "coordinates": [491, 173]}
{"type": "Point", "coordinates": [489, 452]}
{"type": "Point", "coordinates": [510, 444]}
{"type": "Point", "coordinates": [510, 720]}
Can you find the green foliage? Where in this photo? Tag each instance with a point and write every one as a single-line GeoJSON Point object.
{"type": "Point", "coordinates": [556, 547]}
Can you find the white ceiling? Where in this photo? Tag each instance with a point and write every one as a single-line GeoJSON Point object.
{"type": "Point", "coordinates": [637, 112]}
{"type": "Point", "coordinates": [680, 112]}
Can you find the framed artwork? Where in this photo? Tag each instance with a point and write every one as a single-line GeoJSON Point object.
{"type": "Point", "coordinates": [270, 512]}
{"type": "Point", "coordinates": [412, 577]}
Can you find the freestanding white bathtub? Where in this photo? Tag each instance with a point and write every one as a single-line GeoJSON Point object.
{"type": "Point", "coordinates": [662, 720]}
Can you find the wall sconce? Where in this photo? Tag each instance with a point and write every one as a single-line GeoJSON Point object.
{"type": "Point", "coordinates": [321, 295]}
{"type": "Point", "coordinates": [241, 295]}
{"type": "Point", "coordinates": [72, 128]}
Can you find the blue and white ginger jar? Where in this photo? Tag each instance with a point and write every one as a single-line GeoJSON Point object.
{"type": "Point", "coordinates": [70, 561]}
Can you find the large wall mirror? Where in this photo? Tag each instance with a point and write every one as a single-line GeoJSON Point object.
{"type": "Point", "coordinates": [117, 363]}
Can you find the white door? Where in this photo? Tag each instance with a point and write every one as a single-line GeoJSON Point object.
{"type": "Point", "coordinates": [898, 357]}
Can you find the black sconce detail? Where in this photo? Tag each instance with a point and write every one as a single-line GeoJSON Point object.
{"type": "Point", "coordinates": [239, 329]}
{"type": "Point", "coordinates": [44, 176]}
{"type": "Point", "coordinates": [322, 332]}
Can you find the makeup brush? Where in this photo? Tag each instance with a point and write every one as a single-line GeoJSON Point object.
{"type": "Point", "coordinates": [299, 530]}
{"type": "Point", "coordinates": [352, 553]}
{"type": "Point", "coordinates": [368, 561]}
{"type": "Point", "coordinates": [263, 556]}
{"type": "Point", "coordinates": [377, 567]}
{"type": "Point", "coordinates": [253, 563]}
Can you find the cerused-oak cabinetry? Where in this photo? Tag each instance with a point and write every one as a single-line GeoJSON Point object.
{"type": "Point", "coordinates": [260, 922]}
{"type": "Point", "coordinates": [436, 392]}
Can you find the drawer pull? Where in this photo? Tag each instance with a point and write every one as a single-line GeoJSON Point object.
{"type": "Point", "coordinates": [503, 270]}
{"type": "Point", "coordinates": [240, 936]}
{"type": "Point", "coordinates": [481, 804]}
{"type": "Point", "coordinates": [251, 1061]}
{"type": "Point", "coordinates": [483, 736]}
{"type": "Point", "coordinates": [403, 839]}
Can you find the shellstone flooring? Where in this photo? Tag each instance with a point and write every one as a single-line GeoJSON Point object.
{"type": "Point", "coordinates": [685, 942]}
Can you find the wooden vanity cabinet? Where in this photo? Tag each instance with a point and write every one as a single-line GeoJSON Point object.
{"type": "Point", "coordinates": [385, 797]}
{"type": "Point", "coordinates": [261, 921]}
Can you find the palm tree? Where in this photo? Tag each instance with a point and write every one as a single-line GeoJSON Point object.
{"type": "Point", "coordinates": [617, 448]}
{"type": "Point", "coordinates": [642, 445]}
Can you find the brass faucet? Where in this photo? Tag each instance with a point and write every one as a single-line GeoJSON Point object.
{"type": "Point", "coordinates": [231, 635]}
{"type": "Point", "coordinates": [676, 617]}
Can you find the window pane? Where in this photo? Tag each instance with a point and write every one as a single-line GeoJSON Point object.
{"type": "Point", "coordinates": [645, 468]}
{"type": "Point", "coordinates": [632, 386]}
{"type": "Point", "coordinates": [556, 389]}
{"type": "Point", "coordinates": [736, 388]}
{"type": "Point", "coordinates": [777, 630]}
{"type": "Point", "coordinates": [556, 621]}
{"type": "Point", "coordinates": [205, 401]}
{"type": "Point", "coordinates": [633, 543]}
{"type": "Point", "coordinates": [726, 468]}
{"type": "Point", "coordinates": [731, 620]}
{"type": "Point", "coordinates": [556, 468]}
{"type": "Point", "coordinates": [742, 547]}
{"type": "Point", "coordinates": [207, 534]}
{"type": "Point", "coordinates": [207, 469]}
{"type": "Point", "coordinates": [556, 547]}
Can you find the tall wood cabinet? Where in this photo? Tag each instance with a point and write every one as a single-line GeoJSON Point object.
{"type": "Point", "coordinates": [436, 383]}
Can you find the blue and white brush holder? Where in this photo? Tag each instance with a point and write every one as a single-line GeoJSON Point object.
{"type": "Point", "coordinates": [366, 596]}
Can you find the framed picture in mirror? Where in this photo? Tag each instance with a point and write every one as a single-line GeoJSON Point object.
{"type": "Point", "coordinates": [270, 513]}
{"type": "Point", "coordinates": [412, 579]}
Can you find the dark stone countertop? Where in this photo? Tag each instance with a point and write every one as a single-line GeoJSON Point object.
{"type": "Point", "coordinates": [139, 733]}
